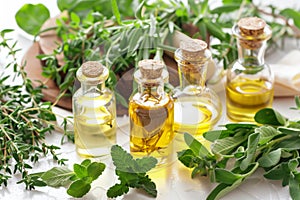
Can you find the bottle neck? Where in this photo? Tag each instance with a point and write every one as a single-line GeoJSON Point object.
{"type": "Point", "coordinates": [251, 53]}
{"type": "Point", "coordinates": [192, 74]}
{"type": "Point", "coordinates": [90, 87]}
{"type": "Point", "coordinates": [151, 91]}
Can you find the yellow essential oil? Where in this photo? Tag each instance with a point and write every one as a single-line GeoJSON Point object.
{"type": "Point", "coordinates": [151, 114]}
{"type": "Point", "coordinates": [244, 97]}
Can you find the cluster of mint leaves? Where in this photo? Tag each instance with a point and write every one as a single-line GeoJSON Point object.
{"type": "Point", "coordinates": [132, 173]}
{"type": "Point", "coordinates": [274, 146]}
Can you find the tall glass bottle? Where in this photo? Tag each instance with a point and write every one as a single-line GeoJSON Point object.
{"type": "Point", "coordinates": [197, 107]}
{"type": "Point", "coordinates": [250, 81]}
{"type": "Point", "coordinates": [151, 113]}
{"type": "Point", "coordinates": [94, 110]}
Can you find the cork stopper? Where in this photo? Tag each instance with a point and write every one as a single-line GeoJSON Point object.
{"type": "Point", "coordinates": [151, 69]}
{"type": "Point", "coordinates": [251, 26]}
{"type": "Point", "coordinates": [193, 49]}
{"type": "Point", "coordinates": [92, 69]}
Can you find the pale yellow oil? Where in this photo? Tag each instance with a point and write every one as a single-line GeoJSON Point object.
{"type": "Point", "coordinates": [151, 127]}
{"type": "Point", "coordinates": [193, 115]}
{"type": "Point", "coordinates": [244, 97]}
{"type": "Point", "coordinates": [95, 126]}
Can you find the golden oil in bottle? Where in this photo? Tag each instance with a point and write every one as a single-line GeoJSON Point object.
{"type": "Point", "coordinates": [249, 84]}
{"type": "Point", "coordinates": [151, 113]}
{"type": "Point", "coordinates": [94, 110]}
{"type": "Point", "coordinates": [244, 97]}
{"type": "Point", "coordinates": [197, 108]}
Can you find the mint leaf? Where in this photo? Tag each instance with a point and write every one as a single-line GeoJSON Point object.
{"type": "Point", "coordinates": [95, 170]}
{"type": "Point", "coordinates": [117, 190]}
{"type": "Point", "coordinates": [57, 176]}
{"type": "Point", "coordinates": [80, 170]}
{"type": "Point", "coordinates": [131, 173]}
{"type": "Point", "coordinates": [79, 188]}
{"type": "Point", "coordinates": [86, 162]}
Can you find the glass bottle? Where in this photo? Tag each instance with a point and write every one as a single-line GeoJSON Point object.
{"type": "Point", "coordinates": [250, 82]}
{"type": "Point", "coordinates": [151, 113]}
{"type": "Point", "coordinates": [197, 107]}
{"type": "Point", "coordinates": [94, 110]}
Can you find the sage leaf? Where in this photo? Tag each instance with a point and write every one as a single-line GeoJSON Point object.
{"type": "Point", "coordinates": [279, 172]}
{"type": "Point", "coordinates": [196, 146]}
{"type": "Point", "coordinates": [267, 133]}
{"type": "Point", "coordinates": [270, 159]}
{"type": "Point", "coordinates": [30, 17]}
{"type": "Point", "coordinates": [250, 151]}
{"type": "Point", "coordinates": [186, 157]}
{"type": "Point", "coordinates": [290, 131]}
{"type": "Point", "coordinates": [269, 116]}
{"type": "Point", "coordinates": [225, 176]}
{"type": "Point", "coordinates": [79, 188]}
{"type": "Point", "coordinates": [226, 145]}
{"type": "Point", "coordinates": [290, 144]}
{"type": "Point", "coordinates": [294, 188]}
{"type": "Point", "coordinates": [57, 176]}
{"type": "Point", "coordinates": [216, 134]}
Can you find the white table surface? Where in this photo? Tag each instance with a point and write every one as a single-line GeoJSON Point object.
{"type": "Point", "coordinates": [173, 182]}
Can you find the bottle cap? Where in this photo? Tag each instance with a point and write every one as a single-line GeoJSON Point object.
{"type": "Point", "coordinates": [193, 49]}
{"type": "Point", "coordinates": [151, 69]}
{"type": "Point", "coordinates": [92, 69]}
{"type": "Point", "coordinates": [251, 26]}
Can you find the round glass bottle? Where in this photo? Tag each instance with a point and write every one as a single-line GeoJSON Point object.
{"type": "Point", "coordinates": [197, 107]}
{"type": "Point", "coordinates": [250, 82]}
{"type": "Point", "coordinates": [151, 113]}
{"type": "Point", "coordinates": [94, 110]}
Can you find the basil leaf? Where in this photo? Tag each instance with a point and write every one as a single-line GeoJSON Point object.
{"type": "Point", "coordinates": [30, 17]}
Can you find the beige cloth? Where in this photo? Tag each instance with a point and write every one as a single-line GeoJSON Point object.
{"type": "Point", "coordinates": [287, 74]}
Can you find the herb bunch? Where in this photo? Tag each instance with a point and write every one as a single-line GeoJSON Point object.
{"type": "Point", "coordinates": [24, 121]}
{"type": "Point", "coordinates": [273, 146]}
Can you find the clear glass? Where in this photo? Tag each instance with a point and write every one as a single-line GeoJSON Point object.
{"type": "Point", "coordinates": [250, 81]}
{"type": "Point", "coordinates": [151, 113]}
{"type": "Point", "coordinates": [197, 107]}
{"type": "Point", "coordinates": [94, 110]}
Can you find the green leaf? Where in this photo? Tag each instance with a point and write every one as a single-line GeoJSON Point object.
{"type": "Point", "coordinates": [145, 164]}
{"type": "Point", "coordinates": [227, 8]}
{"type": "Point", "coordinates": [251, 150]}
{"type": "Point", "coordinates": [267, 133]}
{"type": "Point", "coordinates": [86, 162]}
{"type": "Point", "coordinates": [95, 169]}
{"type": "Point", "coordinates": [138, 12]}
{"type": "Point", "coordinates": [116, 11]}
{"type": "Point", "coordinates": [290, 131]}
{"type": "Point", "coordinates": [214, 29]}
{"type": "Point", "coordinates": [57, 176]}
{"type": "Point", "coordinates": [226, 145]}
{"type": "Point", "coordinates": [269, 116]}
{"type": "Point", "coordinates": [80, 171]}
{"type": "Point", "coordinates": [31, 17]}
{"type": "Point", "coordinates": [65, 4]}
{"type": "Point", "coordinates": [289, 144]}
{"type": "Point", "coordinates": [270, 159]}
{"type": "Point", "coordinates": [79, 188]}
{"type": "Point", "coordinates": [235, 126]}
{"type": "Point", "coordinates": [196, 146]}
{"type": "Point", "coordinates": [121, 158]}
{"type": "Point", "coordinates": [117, 190]}
{"type": "Point", "coordinates": [216, 134]}
{"type": "Point", "coordinates": [279, 172]}
{"type": "Point", "coordinates": [297, 101]}
{"type": "Point", "coordinates": [186, 157]}
{"type": "Point", "coordinates": [294, 188]}
{"type": "Point", "coordinates": [292, 14]}
{"type": "Point", "coordinates": [225, 176]}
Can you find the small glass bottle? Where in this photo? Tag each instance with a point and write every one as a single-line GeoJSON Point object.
{"type": "Point", "coordinates": [151, 113]}
{"type": "Point", "coordinates": [250, 81]}
{"type": "Point", "coordinates": [197, 107]}
{"type": "Point", "coordinates": [94, 110]}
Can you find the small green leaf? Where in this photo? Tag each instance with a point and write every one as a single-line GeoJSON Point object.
{"type": "Point", "coordinates": [79, 188]}
{"type": "Point", "coordinates": [196, 146]}
{"type": "Point", "coordinates": [225, 176]}
{"type": "Point", "coordinates": [116, 11]}
{"type": "Point", "coordinates": [186, 157]}
{"type": "Point", "coordinates": [270, 159]}
{"type": "Point", "coordinates": [57, 176]}
{"type": "Point", "coordinates": [95, 169]}
{"type": "Point", "coordinates": [292, 14]}
{"type": "Point", "coordinates": [269, 116]}
{"type": "Point", "coordinates": [117, 190]}
{"type": "Point", "coordinates": [80, 171]}
{"type": "Point", "coordinates": [294, 188]}
{"type": "Point", "coordinates": [86, 162]}
{"type": "Point", "coordinates": [250, 152]}
{"type": "Point", "coordinates": [31, 17]}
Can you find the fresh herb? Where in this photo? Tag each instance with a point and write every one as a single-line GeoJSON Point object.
{"type": "Point", "coordinates": [78, 181]}
{"type": "Point", "coordinates": [25, 120]}
{"type": "Point", "coordinates": [273, 146]}
{"type": "Point", "coordinates": [132, 173]}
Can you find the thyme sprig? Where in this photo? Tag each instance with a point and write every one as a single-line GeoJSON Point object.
{"type": "Point", "coordinates": [24, 121]}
